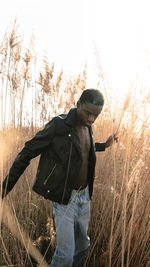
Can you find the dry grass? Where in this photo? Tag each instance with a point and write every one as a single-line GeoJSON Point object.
{"type": "Point", "coordinates": [121, 206]}
{"type": "Point", "coordinates": [119, 226]}
{"type": "Point", "coordinates": [120, 210]}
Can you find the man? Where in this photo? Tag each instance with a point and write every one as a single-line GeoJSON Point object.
{"type": "Point", "coordinates": [65, 174]}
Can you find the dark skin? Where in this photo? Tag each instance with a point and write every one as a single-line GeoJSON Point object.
{"type": "Point", "coordinates": [87, 113]}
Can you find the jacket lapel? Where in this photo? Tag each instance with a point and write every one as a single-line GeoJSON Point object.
{"type": "Point", "coordinates": [70, 120]}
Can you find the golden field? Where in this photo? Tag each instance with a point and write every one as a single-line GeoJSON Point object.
{"type": "Point", "coordinates": [120, 209]}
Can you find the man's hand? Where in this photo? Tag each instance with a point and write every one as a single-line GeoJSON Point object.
{"type": "Point", "coordinates": [111, 139]}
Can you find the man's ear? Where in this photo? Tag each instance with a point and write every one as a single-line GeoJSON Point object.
{"type": "Point", "coordinates": [78, 103]}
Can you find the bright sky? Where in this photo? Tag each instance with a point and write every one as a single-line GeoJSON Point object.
{"type": "Point", "coordinates": [69, 30]}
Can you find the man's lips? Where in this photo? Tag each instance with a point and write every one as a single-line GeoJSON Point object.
{"type": "Point", "coordinates": [89, 123]}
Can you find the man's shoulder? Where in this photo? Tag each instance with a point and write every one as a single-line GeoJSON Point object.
{"type": "Point", "coordinates": [70, 116]}
{"type": "Point", "coordinates": [67, 119]}
{"type": "Point", "coordinates": [59, 120]}
{"type": "Point", "coordinates": [61, 117]}
{"type": "Point", "coordinates": [56, 119]}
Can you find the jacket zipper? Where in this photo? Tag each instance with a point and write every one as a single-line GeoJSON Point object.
{"type": "Point", "coordinates": [50, 174]}
{"type": "Point", "coordinates": [69, 160]}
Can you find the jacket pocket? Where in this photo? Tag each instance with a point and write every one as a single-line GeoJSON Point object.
{"type": "Point", "coordinates": [50, 174]}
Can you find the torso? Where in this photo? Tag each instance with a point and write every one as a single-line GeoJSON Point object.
{"type": "Point", "coordinates": [81, 180]}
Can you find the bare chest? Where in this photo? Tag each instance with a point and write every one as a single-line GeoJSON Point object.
{"type": "Point", "coordinates": [84, 139]}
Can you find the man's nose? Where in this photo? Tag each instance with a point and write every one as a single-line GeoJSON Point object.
{"type": "Point", "coordinates": [91, 118]}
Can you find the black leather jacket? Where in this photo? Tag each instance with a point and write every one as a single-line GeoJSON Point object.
{"type": "Point", "coordinates": [60, 161]}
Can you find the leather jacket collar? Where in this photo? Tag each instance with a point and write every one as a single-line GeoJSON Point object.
{"type": "Point", "coordinates": [71, 117]}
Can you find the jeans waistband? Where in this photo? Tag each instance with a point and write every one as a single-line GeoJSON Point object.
{"type": "Point", "coordinates": [79, 191]}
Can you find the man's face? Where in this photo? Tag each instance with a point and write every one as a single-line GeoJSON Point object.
{"type": "Point", "coordinates": [87, 113]}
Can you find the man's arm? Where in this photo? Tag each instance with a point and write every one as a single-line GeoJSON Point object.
{"type": "Point", "coordinates": [32, 149]}
{"type": "Point", "coordinates": [102, 146]}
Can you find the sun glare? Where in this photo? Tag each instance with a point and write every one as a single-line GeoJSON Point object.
{"type": "Point", "coordinates": [65, 31]}
{"type": "Point", "coordinates": [110, 37]}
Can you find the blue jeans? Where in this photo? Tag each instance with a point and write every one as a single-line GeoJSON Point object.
{"type": "Point", "coordinates": [71, 221]}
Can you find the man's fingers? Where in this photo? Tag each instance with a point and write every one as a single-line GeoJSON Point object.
{"type": "Point", "coordinates": [115, 137]}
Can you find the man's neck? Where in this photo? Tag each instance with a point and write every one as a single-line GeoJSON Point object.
{"type": "Point", "coordinates": [80, 126]}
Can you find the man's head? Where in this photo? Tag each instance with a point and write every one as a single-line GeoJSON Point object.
{"type": "Point", "coordinates": [92, 96]}
{"type": "Point", "coordinates": [89, 106]}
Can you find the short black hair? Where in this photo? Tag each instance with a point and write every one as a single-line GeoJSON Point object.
{"type": "Point", "coordinates": [92, 96]}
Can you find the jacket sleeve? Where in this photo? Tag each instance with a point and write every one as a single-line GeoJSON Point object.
{"type": "Point", "coordinates": [32, 149]}
{"type": "Point", "coordinates": [100, 147]}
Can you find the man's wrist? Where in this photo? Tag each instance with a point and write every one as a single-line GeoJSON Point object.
{"type": "Point", "coordinates": [106, 145]}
